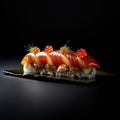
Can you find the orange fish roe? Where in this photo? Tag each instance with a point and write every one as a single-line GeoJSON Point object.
{"type": "Point", "coordinates": [48, 49]}
{"type": "Point", "coordinates": [81, 53]}
{"type": "Point", "coordinates": [35, 50]}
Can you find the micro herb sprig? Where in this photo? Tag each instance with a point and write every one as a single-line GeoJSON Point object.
{"type": "Point", "coordinates": [29, 47]}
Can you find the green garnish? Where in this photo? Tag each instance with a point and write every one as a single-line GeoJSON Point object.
{"type": "Point", "coordinates": [29, 47]}
{"type": "Point", "coordinates": [66, 48]}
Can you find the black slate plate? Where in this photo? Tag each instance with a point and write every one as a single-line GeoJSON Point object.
{"type": "Point", "coordinates": [100, 76]}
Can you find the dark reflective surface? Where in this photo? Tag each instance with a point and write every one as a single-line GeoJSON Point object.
{"type": "Point", "coordinates": [22, 98]}
{"type": "Point", "coordinates": [93, 25]}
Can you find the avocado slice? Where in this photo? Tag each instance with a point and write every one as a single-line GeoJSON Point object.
{"type": "Point", "coordinates": [88, 70]}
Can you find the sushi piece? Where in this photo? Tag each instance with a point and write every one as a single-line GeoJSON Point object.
{"type": "Point", "coordinates": [59, 63]}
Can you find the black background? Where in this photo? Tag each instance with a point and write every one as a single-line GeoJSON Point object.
{"type": "Point", "coordinates": [93, 25]}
